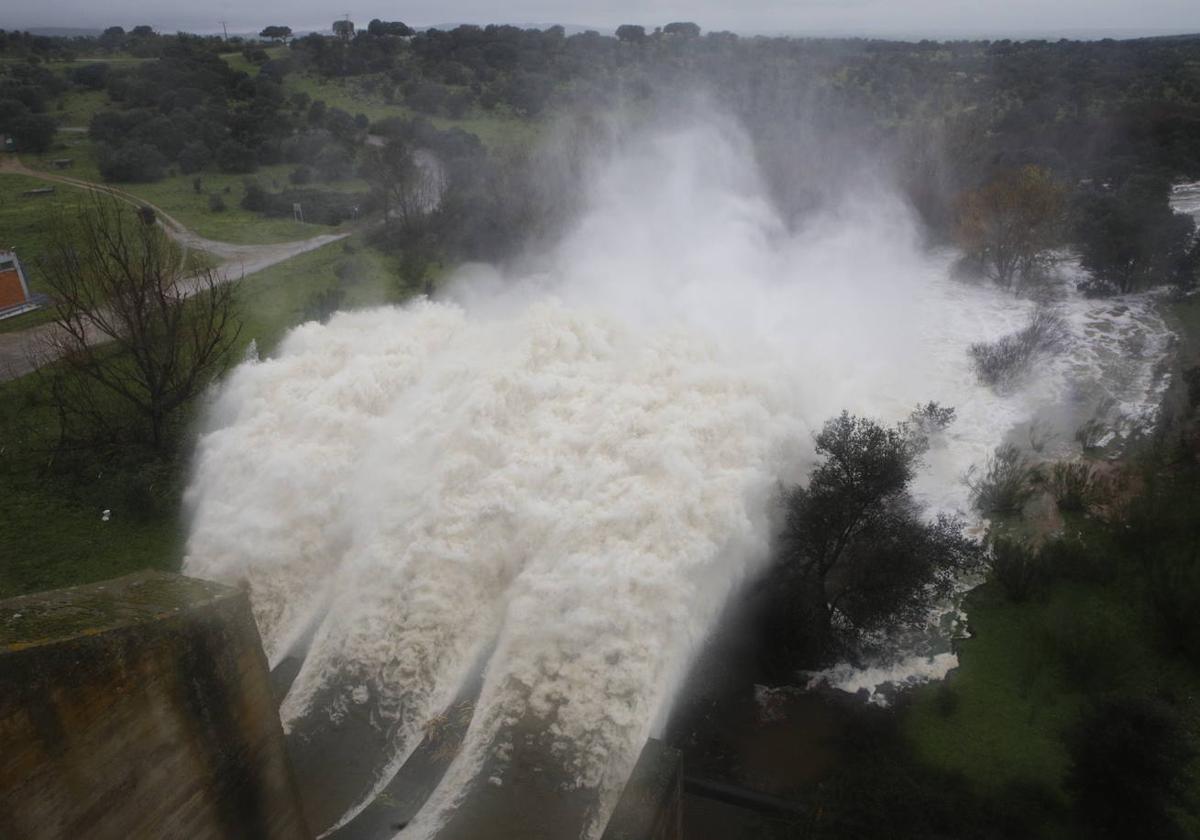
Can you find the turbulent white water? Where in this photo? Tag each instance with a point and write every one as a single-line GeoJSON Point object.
{"type": "Point", "coordinates": [578, 467]}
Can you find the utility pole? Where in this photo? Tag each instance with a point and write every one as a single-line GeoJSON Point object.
{"type": "Point", "coordinates": [225, 29]}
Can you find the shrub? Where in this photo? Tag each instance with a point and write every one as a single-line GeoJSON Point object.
{"type": "Point", "coordinates": [193, 157]}
{"type": "Point", "coordinates": [946, 700]}
{"type": "Point", "coordinates": [1074, 486]}
{"type": "Point", "coordinates": [1128, 765]}
{"type": "Point", "coordinates": [1006, 483]}
{"type": "Point", "coordinates": [32, 132]}
{"type": "Point", "coordinates": [1017, 567]}
{"type": "Point", "coordinates": [1002, 362]}
{"type": "Point", "coordinates": [1070, 558]}
{"type": "Point", "coordinates": [1173, 596]}
{"type": "Point", "coordinates": [255, 198]}
{"type": "Point", "coordinates": [130, 162]}
{"type": "Point", "coordinates": [216, 204]}
{"type": "Point", "coordinates": [233, 156]}
{"type": "Point", "coordinates": [334, 163]}
{"type": "Point", "coordinates": [1089, 644]}
{"type": "Point", "coordinates": [301, 175]}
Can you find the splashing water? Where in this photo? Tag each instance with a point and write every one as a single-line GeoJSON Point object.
{"type": "Point", "coordinates": [572, 471]}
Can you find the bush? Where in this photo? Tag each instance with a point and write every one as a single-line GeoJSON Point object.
{"type": "Point", "coordinates": [1002, 362]}
{"type": "Point", "coordinates": [1090, 645]}
{"type": "Point", "coordinates": [91, 76]}
{"type": "Point", "coordinates": [1128, 765]}
{"type": "Point", "coordinates": [1006, 483]}
{"type": "Point", "coordinates": [193, 157]}
{"type": "Point", "coordinates": [1073, 485]}
{"type": "Point", "coordinates": [301, 175]}
{"type": "Point", "coordinates": [334, 163]}
{"type": "Point", "coordinates": [133, 161]}
{"type": "Point", "coordinates": [255, 198]}
{"type": "Point", "coordinates": [1173, 596]}
{"type": "Point", "coordinates": [32, 132]}
{"type": "Point", "coordinates": [233, 156]}
{"type": "Point", "coordinates": [1072, 559]}
{"type": "Point", "coordinates": [216, 204]}
{"type": "Point", "coordinates": [1017, 567]}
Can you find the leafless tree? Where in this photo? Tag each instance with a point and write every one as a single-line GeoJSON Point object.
{"type": "Point", "coordinates": [134, 327]}
{"type": "Point", "coordinates": [410, 183]}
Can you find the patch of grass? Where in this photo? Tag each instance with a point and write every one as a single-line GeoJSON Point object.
{"type": "Point", "coordinates": [1029, 671]}
{"type": "Point", "coordinates": [238, 61]}
{"type": "Point", "coordinates": [53, 533]}
{"type": "Point", "coordinates": [276, 299]}
{"type": "Point", "coordinates": [75, 108]}
{"type": "Point", "coordinates": [496, 129]}
{"type": "Point", "coordinates": [176, 196]}
{"type": "Point", "coordinates": [1010, 710]}
{"type": "Point", "coordinates": [67, 144]}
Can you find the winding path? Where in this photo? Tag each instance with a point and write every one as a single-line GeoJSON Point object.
{"type": "Point", "coordinates": [26, 350]}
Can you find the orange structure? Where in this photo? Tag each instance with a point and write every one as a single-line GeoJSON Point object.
{"type": "Point", "coordinates": [14, 291]}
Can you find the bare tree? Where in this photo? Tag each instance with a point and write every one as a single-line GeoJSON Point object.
{"type": "Point", "coordinates": [132, 324]}
{"type": "Point", "coordinates": [410, 183]}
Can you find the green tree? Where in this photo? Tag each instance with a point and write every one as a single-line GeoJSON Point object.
{"type": "Point", "coordinates": [683, 29]}
{"type": "Point", "coordinates": [131, 162]}
{"type": "Point", "coordinates": [32, 132]}
{"type": "Point", "coordinates": [1130, 238]}
{"type": "Point", "coordinates": [631, 33]}
{"type": "Point", "coordinates": [276, 33]}
{"type": "Point", "coordinates": [855, 550]}
{"type": "Point", "coordinates": [379, 28]}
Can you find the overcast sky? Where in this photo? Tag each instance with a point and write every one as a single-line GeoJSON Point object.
{"type": "Point", "coordinates": [908, 18]}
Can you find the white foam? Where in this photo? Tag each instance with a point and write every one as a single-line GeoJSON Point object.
{"type": "Point", "coordinates": [872, 679]}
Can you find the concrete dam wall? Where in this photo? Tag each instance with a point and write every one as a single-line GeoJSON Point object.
{"type": "Point", "coordinates": [140, 708]}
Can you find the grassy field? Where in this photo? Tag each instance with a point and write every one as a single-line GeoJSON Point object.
{"type": "Point", "coordinates": [275, 299]}
{"type": "Point", "coordinates": [75, 108]}
{"type": "Point", "coordinates": [177, 196]}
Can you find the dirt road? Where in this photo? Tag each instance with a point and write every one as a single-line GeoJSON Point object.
{"type": "Point", "coordinates": [26, 350]}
